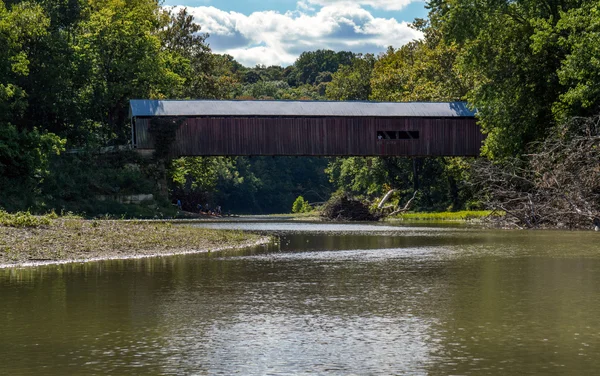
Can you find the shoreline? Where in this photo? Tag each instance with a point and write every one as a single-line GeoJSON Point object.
{"type": "Point", "coordinates": [76, 240]}
{"type": "Point", "coordinates": [31, 264]}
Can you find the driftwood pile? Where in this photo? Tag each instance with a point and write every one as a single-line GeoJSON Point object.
{"type": "Point", "coordinates": [557, 186]}
{"type": "Point", "coordinates": [346, 208]}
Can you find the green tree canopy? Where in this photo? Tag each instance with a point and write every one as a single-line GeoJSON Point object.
{"type": "Point", "coordinates": [527, 58]}
{"type": "Point", "coordinates": [353, 81]}
{"type": "Point", "coordinates": [307, 67]}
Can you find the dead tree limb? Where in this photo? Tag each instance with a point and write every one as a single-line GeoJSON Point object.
{"type": "Point", "coordinates": [557, 185]}
{"type": "Point", "coordinates": [386, 198]}
{"type": "Point", "coordinates": [406, 207]}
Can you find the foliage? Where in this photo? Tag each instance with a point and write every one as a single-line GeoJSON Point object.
{"type": "Point", "coordinates": [72, 186]}
{"type": "Point", "coordinates": [301, 206]}
{"type": "Point", "coordinates": [202, 174]}
{"type": "Point", "coordinates": [527, 58]}
{"type": "Point", "coordinates": [69, 68]}
{"type": "Point", "coordinates": [263, 73]}
{"type": "Point", "coordinates": [364, 176]}
{"type": "Point", "coordinates": [24, 148]}
{"type": "Point", "coordinates": [577, 32]}
{"type": "Point", "coordinates": [23, 219]}
{"type": "Point", "coordinates": [24, 165]}
{"type": "Point", "coordinates": [251, 185]}
{"type": "Point", "coordinates": [419, 71]}
{"type": "Point", "coordinates": [265, 90]}
{"type": "Point", "coordinates": [21, 27]}
{"type": "Point", "coordinates": [120, 52]}
{"type": "Point", "coordinates": [25, 154]}
{"type": "Point", "coordinates": [441, 181]}
{"type": "Point", "coordinates": [72, 67]}
{"type": "Point", "coordinates": [67, 72]}
{"type": "Point", "coordinates": [189, 56]}
{"type": "Point", "coordinates": [423, 70]}
{"type": "Point", "coordinates": [352, 82]}
{"type": "Point", "coordinates": [310, 65]}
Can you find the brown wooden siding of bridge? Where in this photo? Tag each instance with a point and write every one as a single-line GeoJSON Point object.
{"type": "Point", "coordinates": [318, 136]}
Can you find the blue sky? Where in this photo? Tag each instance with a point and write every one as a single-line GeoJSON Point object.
{"type": "Point", "coordinates": [275, 32]}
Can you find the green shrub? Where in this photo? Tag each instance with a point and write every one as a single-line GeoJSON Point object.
{"type": "Point", "coordinates": [301, 206]}
{"type": "Point", "coordinates": [23, 219]}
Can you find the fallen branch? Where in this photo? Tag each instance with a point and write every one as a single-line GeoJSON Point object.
{"type": "Point", "coordinates": [406, 207]}
{"type": "Point", "coordinates": [386, 198]}
{"type": "Point", "coordinates": [557, 185]}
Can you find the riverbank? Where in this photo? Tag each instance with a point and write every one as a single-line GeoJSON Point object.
{"type": "Point", "coordinates": [28, 239]}
{"type": "Point", "coordinates": [459, 216]}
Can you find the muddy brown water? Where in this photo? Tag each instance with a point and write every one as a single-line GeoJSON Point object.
{"type": "Point", "coordinates": [328, 299]}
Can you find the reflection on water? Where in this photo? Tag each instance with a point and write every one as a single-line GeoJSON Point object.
{"type": "Point", "coordinates": [375, 300]}
{"type": "Point", "coordinates": [327, 227]}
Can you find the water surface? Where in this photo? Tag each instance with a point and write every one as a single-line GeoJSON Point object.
{"type": "Point", "coordinates": [364, 299]}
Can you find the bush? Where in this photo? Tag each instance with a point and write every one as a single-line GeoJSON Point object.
{"type": "Point", "coordinates": [23, 219]}
{"type": "Point", "coordinates": [301, 206]}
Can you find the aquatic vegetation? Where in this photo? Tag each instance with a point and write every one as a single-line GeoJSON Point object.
{"type": "Point", "coordinates": [464, 215]}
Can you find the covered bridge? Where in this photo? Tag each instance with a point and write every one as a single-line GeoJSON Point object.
{"type": "Point", "coordinates": [309, 128]}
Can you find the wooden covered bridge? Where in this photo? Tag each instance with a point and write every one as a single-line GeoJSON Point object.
{"type": "Point", "coordinates": [309, 128]}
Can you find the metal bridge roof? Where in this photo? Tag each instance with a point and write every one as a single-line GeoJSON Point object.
{"type": "Point", "coordinates": [147, 108]}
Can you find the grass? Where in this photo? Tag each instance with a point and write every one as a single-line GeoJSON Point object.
{"type": "Point", "coordinates": [466, 215]}
{"type": "Point", "coordinates": [24, 237]}
{"type": "Point", "coordinates": [459, 216]}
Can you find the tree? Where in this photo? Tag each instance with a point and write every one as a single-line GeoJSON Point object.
{"type": "Point", "coordinates": [519, 54]}
{"type": "Point", "coordinates": [419, 71]}
{"type": "Point", "coordinates": [24, 150]}
{"type": "Point", "coordinates": [578, 34]}
{"type": "Point", "coordinates": [352, 82]}
{"type": "Point", "coordinates": [121, 57]}
{"type": "Point", "coordinates": [266, 89]}
{"type": "Point", "coordinates": [367, 177]}
{"type": "Point", "coordinates": [423, 70]}
{"type": "Point", "coordinates": [22, 29]}
{"type": "Point", "coordinates": [370, 178]}
{"type": "Point", "coordinates": [190, 57]}
{"type": "Point", "coordinates": [203, 174]}
{"type": "Point", "coordinates": [24, 158]}
{"type": "Point", "coordinates": [307, 67]}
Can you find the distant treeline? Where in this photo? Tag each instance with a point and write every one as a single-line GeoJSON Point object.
{"type": "Point", "coordinates": [68, 69]}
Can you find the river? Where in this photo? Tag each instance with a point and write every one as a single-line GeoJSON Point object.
{"type": "Point", "coordinates": [335, 299]}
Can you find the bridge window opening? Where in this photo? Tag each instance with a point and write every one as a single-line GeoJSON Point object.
{"type": "Point", "coordinates": [398, 135]}
{"type": "Point", "coordinates": [413, 134]}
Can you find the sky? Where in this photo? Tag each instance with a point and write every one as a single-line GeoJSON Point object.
{"type": "Point", "coordinates": [276, 32]}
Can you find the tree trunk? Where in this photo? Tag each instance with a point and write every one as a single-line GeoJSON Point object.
{"type": "Point", "coordinates": [416, 174]}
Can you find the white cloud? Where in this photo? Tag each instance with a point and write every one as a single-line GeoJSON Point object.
{"type": "Point", "coordinates": [274, 38]}
{"type": "Point", "coordinates": [303, 5]}
{"type": "Point", "coordinates": [377, 4]}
